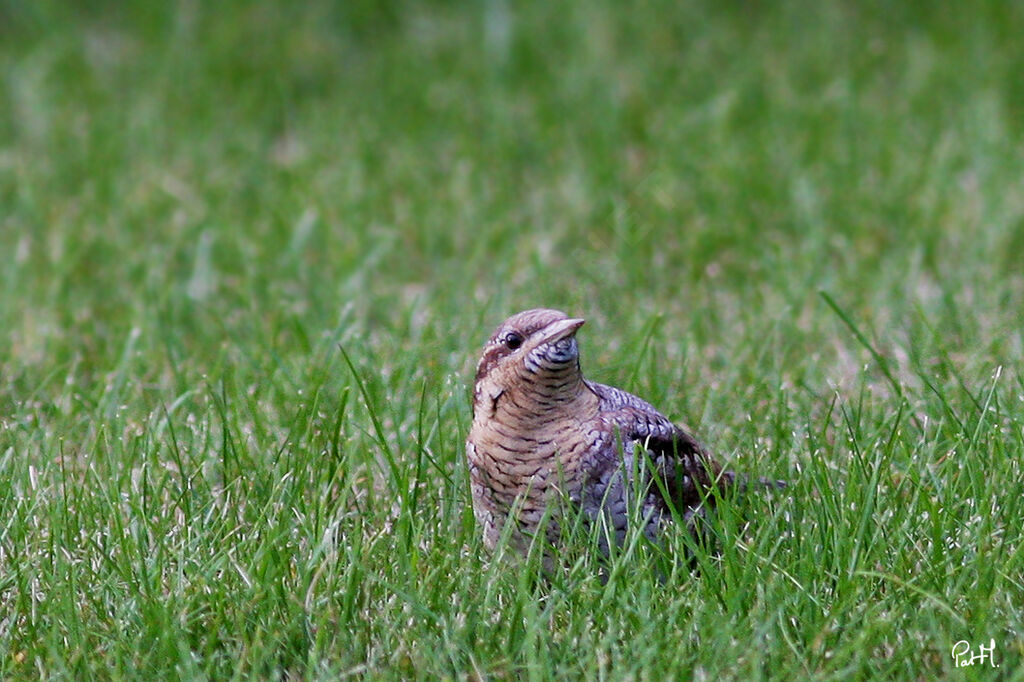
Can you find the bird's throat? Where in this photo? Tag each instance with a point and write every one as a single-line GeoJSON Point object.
{"type": "Point", "coordinates": [539, 400]}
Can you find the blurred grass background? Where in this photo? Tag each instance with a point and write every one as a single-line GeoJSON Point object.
{"type": "Point", "coordinates": [200, 201]}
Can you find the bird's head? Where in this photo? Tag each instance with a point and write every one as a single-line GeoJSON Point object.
{"type": "Point", "coordinates": [534, 351]}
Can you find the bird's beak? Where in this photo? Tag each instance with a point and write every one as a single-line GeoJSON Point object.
{"type": "Point", "coordinates": [556, 331]}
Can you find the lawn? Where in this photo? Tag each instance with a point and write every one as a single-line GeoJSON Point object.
{"type": "Point", "coordinates": [251, 250]}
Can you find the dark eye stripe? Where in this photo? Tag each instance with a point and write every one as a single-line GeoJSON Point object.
{"type": "Point", "coordinates": [489, 360]}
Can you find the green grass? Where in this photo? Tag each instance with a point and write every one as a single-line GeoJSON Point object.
{"type": "Point", "coordinates": [796, 226]}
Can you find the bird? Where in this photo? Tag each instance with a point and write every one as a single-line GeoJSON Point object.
{"type": "Point", "coordinates": [542, 432]}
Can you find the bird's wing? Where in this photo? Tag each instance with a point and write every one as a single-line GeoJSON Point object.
{"type": "Point", "coordinates": [686, 467]}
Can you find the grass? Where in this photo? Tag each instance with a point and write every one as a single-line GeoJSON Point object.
{"type": "Point", "coordinates": [251, 251]}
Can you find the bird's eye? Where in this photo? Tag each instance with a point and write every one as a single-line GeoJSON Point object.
{"type": "Point", "coordinates": [513, 340]}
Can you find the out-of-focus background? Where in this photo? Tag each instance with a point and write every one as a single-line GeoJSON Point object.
{"type": "Point", "coordinates": [797, 226]}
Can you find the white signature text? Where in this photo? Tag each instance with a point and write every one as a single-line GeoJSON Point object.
{"type": "Point", "coordinates": [963, 656]}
